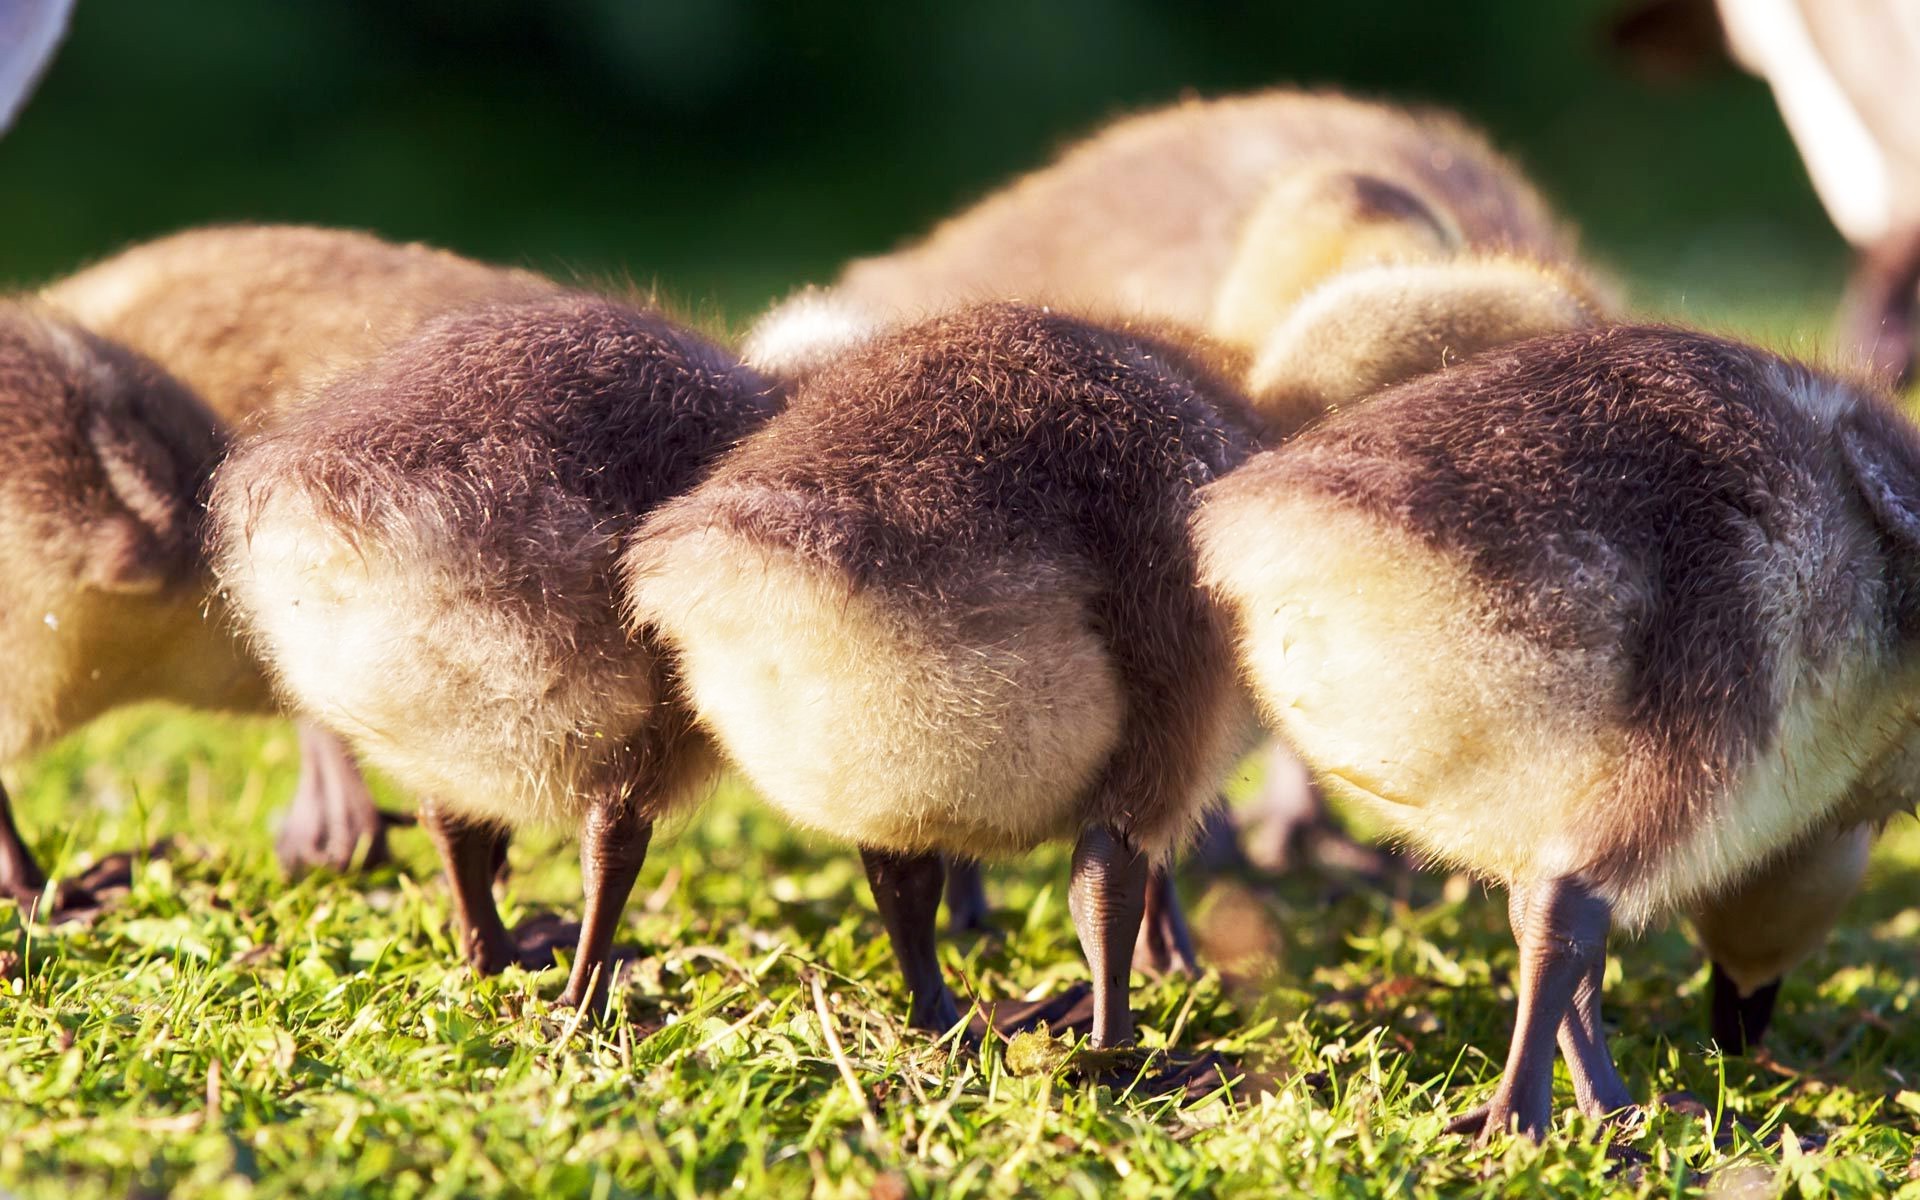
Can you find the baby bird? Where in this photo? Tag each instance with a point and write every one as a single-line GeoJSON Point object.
{"type": "Point", "coordinates": [425, 557]}
{"type": "Point", "coordinates": [945, 603]}
{"type": "Point", "coordinates": [1365, 329]}
{"type": "Point", "coordinates": [1334, 245]}
{"type": "Point", "coordinates": [250, 316]}
{"type": "Point", "coordinates": [102, 589]}
{"type": "Point", "coordinates": [1618, 618]}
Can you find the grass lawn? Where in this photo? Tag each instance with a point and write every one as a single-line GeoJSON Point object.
{"type": "Point", "coordinates": [224, 1031]}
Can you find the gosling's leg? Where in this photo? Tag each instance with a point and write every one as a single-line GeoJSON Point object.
{"type": "Point", "coordinates": [613, 848]}
{"type": "Point", "coordinates": [20, 875]}
{"type": "Point", "coordinates": [1739, 1022]}
{"type": "Point", "coordinates": [469, 851]}
{"type": "Point", "coordinates": [1598, 1089]}
{"type": "Point", "coordinates": [1165, 946]}
{"type": "Point", "coordinates": [1108, 898]}
{"type": "Point", "coordinates": [967, 907]}
{"type": "Point", "coordinates": [1755, 932]}
{"type": "Point", "coordinates": [1562, 934]}
{"type": "Point", "coordinates": [906, 890]}
{"type": "Point", "coordinates": [332, 821]}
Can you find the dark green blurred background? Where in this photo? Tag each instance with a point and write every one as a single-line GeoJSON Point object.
{"type": "Point", "coordinates": [728, 149]}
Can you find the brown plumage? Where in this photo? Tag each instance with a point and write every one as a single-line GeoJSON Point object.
{"type": "Point", "coordinates": [1614, 617]}
{"type": "Point", "coordinates": [424, 556]}
{"type": "Point", "coordinates": [945, 602]}
{"type": "Point", "coordinates": [1312, 247]}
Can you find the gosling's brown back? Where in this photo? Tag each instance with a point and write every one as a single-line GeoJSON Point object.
{"type": "Point", "coordinates": [1147, 214]}
{"type": "Point", "coordinates": [1000, 426]}
{"type": "Point", "coordinates": [517, 426]}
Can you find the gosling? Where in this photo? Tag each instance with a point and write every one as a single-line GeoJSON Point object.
{"type": "Point", "coordinates": [1328, 245]}
{"type": "Point", "coordinates": [1616, 618]}
{"type": "Point", "coordinates": [425, 558]}
{"type": "Point", "coordinates": [945, 604]}
{"type": "Point", "coordinates": [250, 316]}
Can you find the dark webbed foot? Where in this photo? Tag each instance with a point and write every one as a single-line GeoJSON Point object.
{"type": "Point", "coordinates": [84, 896]}
{"type": "Point", "coordinates": [536, 942]}
{"type": "Point", "coordinates": [1166, 1073]}
{"type": "Point", "coordinates": [78, 898]}
{"type": "Point", "coordinates": [1069, 1014]}
{"type": "Point", "coordinates": [906, 890]}
{"type": "Point", "coordinates": [1729, 1126]}
{"type": "Point", "coordinates": [332, 821]}
{"type": "Point", "coordinates": [1065, 1013]}
{"type": "Point", "coordinates": [1739, 1022]}
{"type": "Point", "coordinates": [967, 907]}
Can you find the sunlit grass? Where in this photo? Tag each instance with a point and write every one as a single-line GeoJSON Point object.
{"type": "Point", "coordinates": [345, 1052]}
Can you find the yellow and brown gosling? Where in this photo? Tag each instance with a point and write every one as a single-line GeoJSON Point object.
{"type": "Point", "coordinates": [945, 604]}
{"type": "Point", "coordinates": [1616, 618]}
{"type": "Point", "coordinates": [250, 317]}
{"type": "Point", "coordinates": [1237, 219]}
{"type": "Point", "coordinates": [1155, 214]}
{"type": "Point", "coordinates": [426, 558]}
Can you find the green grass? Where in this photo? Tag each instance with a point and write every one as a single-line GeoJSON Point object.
{"type": "Point", "coordinates": [353, 1056]}
{"type": "Point", "coordinates": [224, 1031]}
